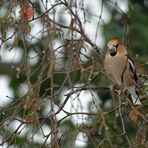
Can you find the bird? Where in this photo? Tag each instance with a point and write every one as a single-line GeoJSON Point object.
{"type": "Point", "coordinates": [120, 69]}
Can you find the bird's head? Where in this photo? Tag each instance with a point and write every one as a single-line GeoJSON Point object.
{"type": "Point", "coordinates": [115, 46]}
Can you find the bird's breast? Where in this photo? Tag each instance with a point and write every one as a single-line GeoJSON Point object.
{"type": "Point", "coordinates": [114, 67]}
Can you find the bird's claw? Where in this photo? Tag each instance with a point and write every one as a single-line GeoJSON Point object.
{"type": "Point", "coordinates": [119, 90]}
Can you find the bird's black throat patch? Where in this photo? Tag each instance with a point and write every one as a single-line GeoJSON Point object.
{"type": "Point", "coordinates": [113, 53]}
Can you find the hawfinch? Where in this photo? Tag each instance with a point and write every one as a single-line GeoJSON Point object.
{"type": "Point", "coordinates": [120, 69]}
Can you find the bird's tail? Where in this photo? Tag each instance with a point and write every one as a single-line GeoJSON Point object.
{"type": "Point", "coordinates": [134, 95]}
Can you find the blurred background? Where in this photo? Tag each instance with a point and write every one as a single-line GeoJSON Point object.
{"type": "Point", "coordinates": [53, 89]}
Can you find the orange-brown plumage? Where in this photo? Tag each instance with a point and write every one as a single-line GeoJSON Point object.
{"type": "Point", "coordinates": [120, 48]}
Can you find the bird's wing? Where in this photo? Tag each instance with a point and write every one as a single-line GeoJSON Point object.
{"type": "Point", "coordinates": [132, 69]}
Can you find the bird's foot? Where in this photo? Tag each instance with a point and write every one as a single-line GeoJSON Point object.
{"type": "Point", "coordinates": [118, 89]}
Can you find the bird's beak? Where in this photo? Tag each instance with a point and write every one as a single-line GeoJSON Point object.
{"type": "Point", "coordinates": [112, 49]}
